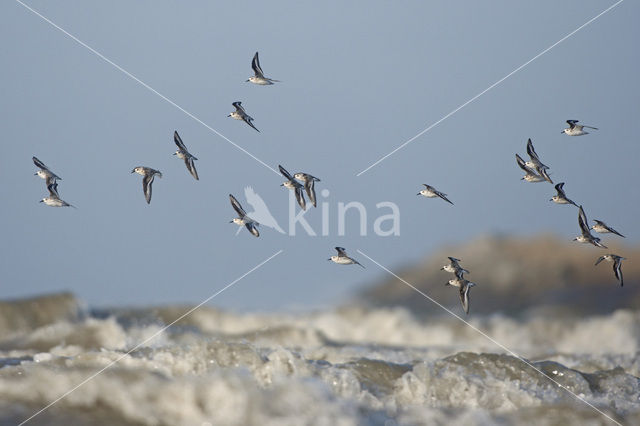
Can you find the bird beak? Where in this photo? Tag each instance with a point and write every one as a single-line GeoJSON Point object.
{"type": "Point", "coordinates": [282, 184]}
{"type": "Point", "coordinates": [230, 221]}
{"type": "Point", "coordinates": [175, 153]}
{"type": "Point", "coordinates": [418, 193]}
{"type": "Point", "coordinates": [246, 81]}
{"type": "Point", "coordinates": [562, 131]}
{"type": "Point", "coordinates": [327, 259]}
{"type": "Point", "coordinates": [447, 283]}
{"type": "Point", "coordinates": [41, 201]}
{"type": "Point", "coordinates": [229, 115]}
{"type": "Point", "coordinates": [35, 174]}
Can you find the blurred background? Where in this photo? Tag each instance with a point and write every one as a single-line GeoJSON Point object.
{"type": "Point", "coordinates": [356, 83]}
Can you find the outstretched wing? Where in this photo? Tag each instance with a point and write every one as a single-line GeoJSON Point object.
{"type": "Point", "coordinates": [191, 166]}
{"type": "Point", "coordinates": [617, 270]}
{"type": "Point", "coordinates": [39, 163]}
{"type": "Point", "coordinates": [284, 172]}
{"type": "Point", "coordinates": [251, 226]}
{"type": "Point", "coordinates": [464, 298]}
{"type": "Point", "coordinates": [300, 197]}
{"type": "Point", "coordinates": [531, 151]}
{"type": "Point", "coordinates": [341, 252]}
{"type": "Point", "coordinates": [309, 186]}
{"type": "Point", "coordinates": [178, 140]}
{"type": "Point", "coordinates": [236, 206]}
{"type": "Point", "coordinates": [523, 166]}
{"type": "Point", "coordinates": [238, 106]}
{"type": "Point", "coordinates": [582, 221]}
{"type": "Point", "coordinates": [572, 123]}
{"type": "Point", "coordinates": [147, 180]}
{"type": "Point", "coordinates": [443, 196]}
{"type": "Point", "coordinates": [255, 64]}
{"type": "Point", "coordinates": [560, 190]}
{"type": "Point", "coordinates": [247, 120]}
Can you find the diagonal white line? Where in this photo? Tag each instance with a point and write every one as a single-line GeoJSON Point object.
{"type": "Point", "coordinates": [145, 85]}
{"type": "Point", "coordinates": [490, 87]}
{"type": "Point", "coordinates": [491, 339]}
{"type": "Point", "coordinates": [94, 375]}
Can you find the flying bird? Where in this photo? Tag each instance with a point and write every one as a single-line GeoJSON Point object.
{"type": "Point", "coordinates": [259, 77]}
{"type": "Point", "coordinates": [185, 155]}
{"type": "Point", "coordinates": [575, 129]}
{"type": "Point", "coordinates": [243, 219]}
{"type": "Point", "coordinates": [53, 200]}
{"type": "Point", "coordinates": [531, 175]}
{"type": "Point", "coordinates": [309, 185]}
{"type": "Point", "coordinates": [561, 197]}
{"type": "Point", "coordinates": [291, 183]}
{"type": "Point", "coordinates": [585, 236]}
{"type": "Point", "coordinates": [535, 163]}
{"type": "Point", "coordinates": [148, 174]}
{"type": "Point", "coordinates": [241, 114]}
{"type": "Point", "coordinates": [44, 172]}
{"type": "Point", "coordinates": [342, 259]}
{"type": "Point", "coordinates": [602, 228]}
{"type": "Point", "coordinates": [464, 286]}
{"type": "Point", "coordinates": [431, 192]}
{"type": "Point", "coordinates": [617, 265]}
{"type": "Point", "coordinates": [454, 267]}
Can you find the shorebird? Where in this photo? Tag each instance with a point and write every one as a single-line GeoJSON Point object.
{"type": "Point", "coordinates": [617, 265]}
{"type": "Point", "coordinates": [343, 259]}
{"type": "Point", "coordinates": [241, 114]}
{"type": "Point", "coordinates": [431, 192]}
{"type": "Point", "coordinates": [259, 77]}
{"type": "Point", "coordinates": [602, 228]}
{"type": "Point", "coordinates": [535, 162]}
{"type": "Point", "coordinates": [454, 267]}
{"type": "Point", "coordinates": [291, 183]}
{"type": "Point", "coordinates": [531, 175]}
{"type": "Point", "coordinates": [585, 236]}
{"type": "Point", "coordinates": [575, 129]}
{"type": "Point", "coordinates": [243, 219]}
{"type": "Point", "coordinates": [53, 199]}
{"type": "Point", "coordinates": [561, 197]}
{"type": "Point", "coordinates": [309, 185]}
{"type": "Point", "coordinates": [464, 286]}
{"type": "Point", "coordinates": [148, 174]}
{"type": "Point", "coordinates": [185, 155]}
{"type": "Point", "coordinates": [44, 172]}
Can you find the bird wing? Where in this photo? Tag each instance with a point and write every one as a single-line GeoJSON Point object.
{"type": "Point", "coordinates": [238, 106]}
{"type": "Point", "coordinates": [523, 166]}
{"type": "Point", "coordinates": [147, 180]}
{"type": "Point", "coordinates": [39, 163]}
{"type": "Point", "coordinates": [237, 207]}
{"type": "Point", "coordinates": [178, 140]}
{"type": "Point", "coordinates": [464, 297]}
{"type": "Point", "coordinates": [572, 123]}
{"type": "Point", "coordinates": [600, 259]}
{"type": "Point", "coordinates": [247, 120]}
{"type": "Point", "coordinates": [285, 173]}
{"type": "Point", "coordinates": [582, 221]}
{"type": "Point", "coordinates": [443, 196]}
{"type": "Point", "coordinates": [191, 166]}
{"type": "Point", "coordinates": [545, 175]}
{"type": "Point", "coordinates": [617, 270]}
{"type": "Point", "coordinates": [53, 190]}
{"type": "Point", "coordinates": [560, 190]}
{"type": "Point", "coordinates": [251, 226]}
{"type": "Point", "coordinates": [341, 252]}
{"type": "Point", "coordinates": [532, 152]}
{"type": "Point", "coordinates": [309, 186]}
{"type": "Point", "coordinates": [300, 197]}
{"type": "Point", "coordinates": [255, 64]}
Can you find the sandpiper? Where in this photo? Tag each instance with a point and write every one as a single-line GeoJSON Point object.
{"type": "Point", "coordinates": [259, 77]}
{"type": "Point", "coordinates": [185, 155]}
{"type": "Point", "coordinates": [561, 197]}
{"type": "Point", "coordinates": [464, 286]}
{"type": "Point", "coordinates": [44, 172]}
{"type": "Point", "coordinates": [343, 259]}
{"type": "Point", "coordinates": [617, 265]}
{"type": "Point", "coordinates": [454, 267]}
{"type": "Point", "coordinates": [309, 185]}
{"type": "Point", "coordinates": [241, 114]}
{"type": "Point", "coordinates": [575, 129]}
{"type": "Point", "coordinates": [243, 219]}
{"type": "Point", "coordinates": [431, 192]}
{"type": "Point", "coordinates": [535, 162]}
{"type": "Point", "coordinates": [148, 174]}
{"type": "Point", "coordinates": [602, 228]}
{"type": "Point", "coordinates": [585, 236]}
{"type": "Point", "coordinates": [531, 175]}
{"type": "Point", "coordinates": [291, 183]}
{"type": "Point", "coordinates": [53, 199]}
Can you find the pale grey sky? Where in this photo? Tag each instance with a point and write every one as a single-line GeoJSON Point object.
{"type": "Point", "coordinates": [357, 81]}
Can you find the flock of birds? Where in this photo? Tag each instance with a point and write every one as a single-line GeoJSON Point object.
{"type": "Point", "coordinates": [301, 183]}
